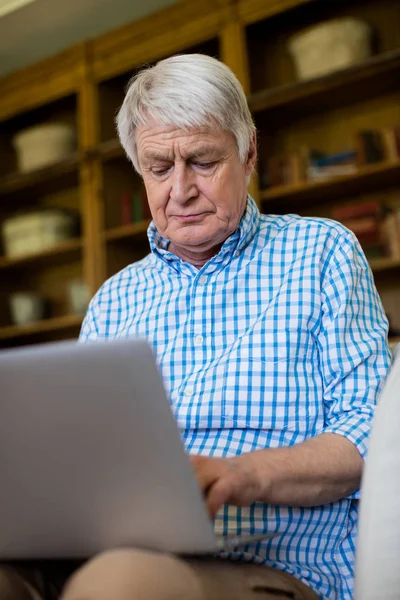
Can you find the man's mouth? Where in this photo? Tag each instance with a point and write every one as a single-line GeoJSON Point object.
{"type": "Point", "coordinates": [192, 217]}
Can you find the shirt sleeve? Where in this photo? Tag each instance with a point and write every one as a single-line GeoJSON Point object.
{"type": "Point", "coordinates": [90, 329]}
{"type": "Point", "coordinates": [353, 347]}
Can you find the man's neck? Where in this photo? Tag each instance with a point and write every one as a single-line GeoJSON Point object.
{"type": "Point", "coordinates": [196, 258]}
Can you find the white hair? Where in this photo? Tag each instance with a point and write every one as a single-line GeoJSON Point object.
{"type": "Point", "coordinates": [185, 91]}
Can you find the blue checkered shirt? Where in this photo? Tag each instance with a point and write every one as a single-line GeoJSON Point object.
{"type": "Point", "coordinates": [278, 338]}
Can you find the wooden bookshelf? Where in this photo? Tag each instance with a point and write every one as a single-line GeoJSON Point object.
{"type": "Point", "coordinates": [375, 76]}
{"type": "Point", "coordinates": [68, 250]}
{"type": "Point", "coordinates": [56, 324]}
{"type": "Point", "coordinates": [374, 176]}
{"type": "Point", "coordinates": [85, 85]}
{"type": "Point", "coordinates": [126, 231]}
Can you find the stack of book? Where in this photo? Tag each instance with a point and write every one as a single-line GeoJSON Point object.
{"type": "Point", "coordinates": [377, 228]}
{"type": "Point", "coordinates": [307, 164]}
{"type": "Point", "coordinates": [134, 207]}
{"type": "Point", "coordinates": [333, 165]}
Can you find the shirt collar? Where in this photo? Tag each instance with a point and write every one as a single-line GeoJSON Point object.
{"type": "Point", "coordinates": [235, 243]}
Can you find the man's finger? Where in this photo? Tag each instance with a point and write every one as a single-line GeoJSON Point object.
{"type": "Point", "coordinates": [206, 470]}
{"type": "Point", "coordinates": [218, 495]}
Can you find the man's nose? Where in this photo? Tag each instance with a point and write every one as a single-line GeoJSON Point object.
{"type": "Point", "coordinates": [183, 183]}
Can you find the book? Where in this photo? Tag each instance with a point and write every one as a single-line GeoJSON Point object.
{"type": "Point", "coordinates": [370, 148]}
{"type": "Point", "coordinates": [353, 210]}
{"type": "Point", "coordinates": [145, 204]}
{"type": "Point", "coordinates": [367, 229]}
{"type": "Point", "coordinates": [317, 173]}
{"type": "Point", "coordinates": [292, 170]}
{"type": "Point", "coordinates": [345, 157]}
{"type": "Point", "coordinates": [389, 137]}
{"type": "Point", "coordinates": [285, 169]}
{"type": "Point", "coordinates": [126, 214]}
{"type": "Point", "coordinates": [137, 207]}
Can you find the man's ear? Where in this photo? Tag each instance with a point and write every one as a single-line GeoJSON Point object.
{"type": "Point", "coordinates": [252, 155]}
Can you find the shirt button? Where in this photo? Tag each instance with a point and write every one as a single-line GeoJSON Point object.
{"type": "Point", "coordinates": [202, 279]}
{"type": "Point", "coordinates": [188, 391]}
{"type": "Point", "coordinates": [199, 339]}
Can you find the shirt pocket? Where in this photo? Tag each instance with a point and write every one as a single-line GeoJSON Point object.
{"type": "Point", "coordinates": [268, 384]}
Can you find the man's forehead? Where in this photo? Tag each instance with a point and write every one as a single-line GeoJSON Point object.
{"type": "Point", "coordinates": [168, 142]}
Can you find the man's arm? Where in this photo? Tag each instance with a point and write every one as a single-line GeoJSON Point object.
{"type": "Point", "coordinates": [318, 471]}
{"type": "Point", "coordinates": [353, 359]}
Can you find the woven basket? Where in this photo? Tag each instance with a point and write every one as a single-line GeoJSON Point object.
{"type": "Point", "coordinates": [330, 46]}
{"type": "Point", "coordinates": [42, 145]}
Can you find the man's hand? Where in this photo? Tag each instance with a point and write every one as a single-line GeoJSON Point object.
{"type": "Point", "coordinates": [319, 471]}
{"type": "Point", "coordinates": [227, 481]}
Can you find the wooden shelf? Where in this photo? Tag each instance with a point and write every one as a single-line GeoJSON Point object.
{"type": "Point", "coordinates": [379, 265]}
{"type": "Point", "coordinates": [127, 231]}
{"type": "Point", "coordinates": [21, 181]}
{"type": "Point", "coordinates": [110, 149]}
{"type": "Point", "coordinates": [375, 76]}
{"type": "Point", "coordinates": [65, 251]}
{"type": "Point", "coordinates": [379, 175]}
{"type": "Point", "coordinates": [45, 326]}
{"type": "Point", "coordinates": [393, 341]}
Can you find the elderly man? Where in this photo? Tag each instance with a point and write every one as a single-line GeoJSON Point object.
{"type": "Point", "coordinates": [271, 340]}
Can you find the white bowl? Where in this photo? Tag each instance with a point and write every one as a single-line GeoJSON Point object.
{"type": "Point", "coordinates": [79, 298]}
{"type": "Point", "coordinates": [330, 46]}
{"type": "Point", "coordinates": [43, 145]}
{"type": "Point", "coordinates": [26, 308]}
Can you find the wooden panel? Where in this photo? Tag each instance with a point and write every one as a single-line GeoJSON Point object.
{"type": "Point", "coordinates": [234, 52]}
{"type": "Point", "coordinates": [164, 33]}
{"type": "Point", "coordinates": [92, 226]}
{"type": "Point", "coordinates": [88, 105]}
{"type": "Point", "coordinates": [42, 83]}
{"type": "Point", "coordinates": [250, 11]}
{"type": "Point", "coordinates": [90, 178]}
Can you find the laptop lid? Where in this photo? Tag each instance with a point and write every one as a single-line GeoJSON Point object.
{"type": "Point", "coordinates": [91, 457]}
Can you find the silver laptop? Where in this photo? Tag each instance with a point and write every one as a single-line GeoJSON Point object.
{"type": "Point", "coordinates": [91, 456]}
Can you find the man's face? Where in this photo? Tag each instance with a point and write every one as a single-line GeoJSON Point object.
{"type": "Point", "coordinates": [195, 184]}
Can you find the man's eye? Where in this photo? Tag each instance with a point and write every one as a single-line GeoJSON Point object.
{"type": "Point", "coordinates": [204, 165]}
{"type": "Point", "coordinates": [159, 172]}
